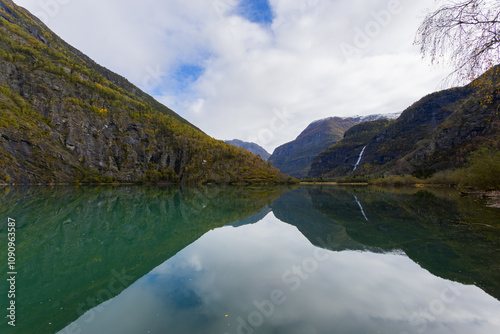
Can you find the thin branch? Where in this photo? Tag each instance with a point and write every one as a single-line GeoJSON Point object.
{"type": "Point", "coordinates": [464, 33]}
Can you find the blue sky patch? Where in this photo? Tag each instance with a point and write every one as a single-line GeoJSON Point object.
{"type": "Point", "coordinates": [185, 74]}
{"type": "Point", "coordinates": [257, 11]}
{"type": "Point", "coordinates": [188, 72]}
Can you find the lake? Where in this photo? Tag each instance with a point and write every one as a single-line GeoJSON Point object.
{"type": "Point", "coordinates": [226, 260]}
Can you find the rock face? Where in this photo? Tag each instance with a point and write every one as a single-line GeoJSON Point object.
{"type": "Point", "coordinates": [295, 158]}
{"type": "Point", "coordinates": [251, 147]}
{"type": "Point", "coordinates": [64, 119]}
{"type": "Point", "coordinates": [435, 133]}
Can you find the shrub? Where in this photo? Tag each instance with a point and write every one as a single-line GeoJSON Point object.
{"type": "Point", "coordinates": [482, 170]}
{"type": "Point", "coordinates": [397, 181]}
{"type": "Point", "coordinates": [447, 177]}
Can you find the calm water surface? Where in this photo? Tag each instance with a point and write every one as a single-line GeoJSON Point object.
{"type": "Point", "coordinates": [252, 260]}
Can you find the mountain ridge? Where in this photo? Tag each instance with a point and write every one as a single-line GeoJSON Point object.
{"type": "Point", "coordinates": [119, 80]}
{"type": "Point", "coordinates": [361, 118]}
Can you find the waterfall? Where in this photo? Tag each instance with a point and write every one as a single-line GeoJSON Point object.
{"type": "Point", "coordinates": [359, 160]}
{"type": "Point", "coordinates": [361, 207]}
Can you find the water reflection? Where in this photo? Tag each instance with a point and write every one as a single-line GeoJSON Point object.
{"type": "Point", "coordinates": [268, 278]}
{"type": "Point", "coordinates": [453, 237]}
{"type": "Point", "coordinates": [78, 247]}
{"type": "Point", "coordinates": [312, 263]}
{"type": "Point", "coordinates": [253, 260]}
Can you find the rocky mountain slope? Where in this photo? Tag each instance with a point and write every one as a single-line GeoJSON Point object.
{"type": "Point", "coordinates": [436, 133]}
{"type": "Point", "coordinates": [63, 118]}
{"type": "Point", "coordinates": [295, 158]}
{"type": "Point", "coordinates": [473, 125]}
{"type": "Point", "coordinates": [341, 158]}
{"type": "Point", "coordinates": [252, 147]}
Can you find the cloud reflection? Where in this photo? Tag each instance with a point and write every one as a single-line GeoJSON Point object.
{"type": "Point", "coordinates": [238, 272]}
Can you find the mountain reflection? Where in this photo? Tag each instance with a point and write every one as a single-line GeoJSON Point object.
{"type": "Point", "coordinates": [78, 247]}
{"type": "Point", "coordinates": [266, 260]}
{"type": "Point", "coordinates": [265, 275]}
{"type": "Point", "coordinates": [453, 237]}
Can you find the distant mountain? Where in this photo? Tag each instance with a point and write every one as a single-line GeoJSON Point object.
{"type": "Point", "coordinates": [436, 133]}
{"type": "Point", "coordinates": [295, 158]}
{"type": "Point", "coordinates": [341, 158]}
{"type": "Point", "coordinates": [64, 118]}
{"type": "Point", "coordinates": [252, 147]}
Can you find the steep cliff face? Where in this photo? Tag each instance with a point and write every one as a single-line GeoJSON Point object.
{"type": "Point", "coordinates": [438, 132]}
{"type": "Point", "coordinates": [64, 118]}
{"type": "Point", "coordinates": [251, 147]}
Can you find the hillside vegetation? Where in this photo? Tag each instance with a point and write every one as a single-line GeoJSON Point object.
{"type": "Point", "coordinates": [63, 118]}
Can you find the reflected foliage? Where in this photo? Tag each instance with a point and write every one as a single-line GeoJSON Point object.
{"type": "Point", "coordinates": [453, 237]}
{"type": "Point", "coordinates": [78, 247]}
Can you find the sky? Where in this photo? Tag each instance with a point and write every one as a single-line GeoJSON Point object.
{"type": "Point", "coordinates": [256, 70]}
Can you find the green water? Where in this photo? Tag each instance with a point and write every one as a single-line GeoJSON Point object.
{"type": "Point", "coordinates": [251, 260]}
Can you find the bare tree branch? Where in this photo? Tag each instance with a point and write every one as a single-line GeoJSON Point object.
{"type": "Point", "coordinates": [463, 33]}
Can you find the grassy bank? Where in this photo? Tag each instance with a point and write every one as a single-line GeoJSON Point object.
{"type": "Point", "coordinates": [482, 172]}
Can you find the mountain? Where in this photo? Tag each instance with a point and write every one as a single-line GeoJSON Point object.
{"type": "Point", "coordinates": [252, 147]}
{"type": "Point", "coordinates": [295, 158]}
{"type": "Point", "coordinates": [341, 158]}
{"type": "Point", "coordinates": [64, 119]}
{"type": "Point", "coordinates": [473, 125]}
{"type": "Point", "coordinates": [436, 133]}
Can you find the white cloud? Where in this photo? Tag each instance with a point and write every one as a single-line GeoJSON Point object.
{"type": "Point", "coordinates": [251, 72]}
